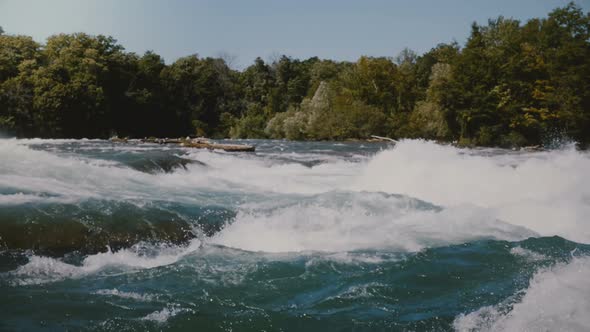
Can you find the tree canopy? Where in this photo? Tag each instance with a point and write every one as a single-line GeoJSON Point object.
{"type": "Point", "coordinates": [513, 83]}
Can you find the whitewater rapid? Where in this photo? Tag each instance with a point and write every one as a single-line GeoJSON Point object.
{"type": "Point", "coordinates": [547, 193]}
{"type": "Point", "coordinates": [340, 205]}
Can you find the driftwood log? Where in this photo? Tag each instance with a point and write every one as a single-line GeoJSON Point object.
{"type": "Point", "coordinates": [381, 138]}
{"type": "Point", "coordinates": [116, 139]}
{"type": "Point", "coordinates": [162, 140]}
{"type": "Point", "coordinates": [197, 143]}
{"type": "Point", "coordinates": [215, 146]}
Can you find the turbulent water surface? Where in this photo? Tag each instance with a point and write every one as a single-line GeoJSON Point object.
{"type": "Point", "coordinates": [297, 236]}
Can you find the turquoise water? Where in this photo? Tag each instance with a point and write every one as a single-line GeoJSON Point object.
{"type": "Point", "coordinates": [324, 236]}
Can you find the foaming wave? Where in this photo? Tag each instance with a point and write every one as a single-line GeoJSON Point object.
{"type": "Point", "coordinates": [38, 176]}
{"type": "Point", "coordinates": [127, 295]}
{"type": "Point", "coordinates": [41, 270]}
{"type": "Point", "coordinates": [266, 175]}
{"type": "Point", "coordinates": [356, 292]}
{"type": "Point", "coordinates": [556, 300]}
{"type": "Point", "coordinates": [547, 192]}
{"type": "Point", "coordinates": [163, 315]}
{"type": "Point", "coordinates": [353, 221]}
{"type": "Point", "coordinates": [41, 172]}
{"type": "Point", "coordinates": [22, 198]}
{"type": "Point", "coordinates": [76, 177]}
{"type": "Point", "coordinates": [528, 255]}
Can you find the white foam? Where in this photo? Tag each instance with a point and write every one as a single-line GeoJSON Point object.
{"type": "Point", "coordinates": [126, 295]}
{"type": "Point", "coordinates": [556, 300]}
{"type": "Point", "coordinates": [356, 258]}
{"type": "Point", "coordinates": [40, 270]}
{"type": "Point", "coordinates": [71, 179]}
{"type": "Point", "coordinates": [259, 175]}
{"type": "Point", "coordinates": [20, 198]}
{"type": "Point", "coordinates": [163, 315]}
{"type": "Point", "coordinates": [548, 192]}
{"type": "Point", "coordinates": [336, 222]}
{"type": "Point", "coordinates": [527, 254]}
{"type": "Point", "coordinates": [356, 292]}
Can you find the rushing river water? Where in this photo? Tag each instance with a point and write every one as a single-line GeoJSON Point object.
{"type": "Point", "coordinates": [324, 236]}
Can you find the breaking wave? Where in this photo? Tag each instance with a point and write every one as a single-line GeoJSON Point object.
{"type": "Point", "coordinates": [556, 300]}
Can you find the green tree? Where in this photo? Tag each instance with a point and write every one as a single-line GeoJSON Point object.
{"type": "Point", "coordinates": [72, 90]}
{"type": "Point", "coordinates": [198, 92]}
{"type": "Point", "coordinates": [372, 81]}
{"type": "Point", "coordinates": [428, 119]}
{"type": "Point", "coordinates": [19, 55]}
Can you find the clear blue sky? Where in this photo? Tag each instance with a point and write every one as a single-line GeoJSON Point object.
{"type": "Point", "coordinates": [335, 29]}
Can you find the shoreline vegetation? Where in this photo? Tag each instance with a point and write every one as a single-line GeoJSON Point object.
{"type": "Point", "coordinates": [513, 84]}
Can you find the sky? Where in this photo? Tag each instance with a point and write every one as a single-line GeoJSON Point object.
{"type": "Point", "coordinates": [241, 30]}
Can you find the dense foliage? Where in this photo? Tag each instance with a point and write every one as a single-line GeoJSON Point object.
{"type": "Point", "coordinates": [511, 84]}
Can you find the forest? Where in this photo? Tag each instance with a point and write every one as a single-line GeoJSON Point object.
{"type": "Point", "coordinates": [511, 84]}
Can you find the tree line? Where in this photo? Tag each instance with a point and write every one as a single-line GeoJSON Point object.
{"type": "Point", "coordinates": [511, 84]}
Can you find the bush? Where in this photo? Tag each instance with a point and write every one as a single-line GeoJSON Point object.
{"type": "Point", "coordinates": [274, 127]}
{"type": "Point", "coordinates": [250, 126]}
{"type": "Point", "coordinates": [427, 121]}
